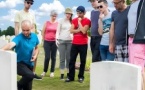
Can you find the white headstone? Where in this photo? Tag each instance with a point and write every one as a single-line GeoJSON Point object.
{"type": "Point", "coordinates": [3, 37]}
{"type": "Point", "coordinates": [40, 38]}
{"type": "Point", "coordinates": [109, 75]}
{"type": "Point", "coordinates": [12, 37]}
{"type": "Point", "coordinates": [8, 76]}
{"type": "Point", "coordinates": [89, 40]}
{"type": "Point", "coordinates": [8, 37]}
{"type": "Point", "coordinates": [3, 42]}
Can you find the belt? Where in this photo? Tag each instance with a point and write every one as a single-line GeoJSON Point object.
{"type": "Point", "coordinates": [131, 35]}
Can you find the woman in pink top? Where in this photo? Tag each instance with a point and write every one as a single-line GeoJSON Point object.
{"type": "Point", "coordinates": [50, 48]}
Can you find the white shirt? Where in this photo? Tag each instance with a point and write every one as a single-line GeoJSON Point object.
{"type": "Point", "coordinates": [63, 30]}
{"type": "Point", "coordinates": [21, 16]}
{"type": "Point", "coordinates": [106, 29]}
{"type": "Point", "coordinates": [132, 17]}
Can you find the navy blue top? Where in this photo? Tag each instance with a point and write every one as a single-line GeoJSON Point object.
{"type": "Point", "coordinates": [120, 26]}
{"type": "Point", "coordinates": [94, 23]}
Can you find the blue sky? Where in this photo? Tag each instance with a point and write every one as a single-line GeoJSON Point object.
{"type": "Point", "coordinates": [41, 9]}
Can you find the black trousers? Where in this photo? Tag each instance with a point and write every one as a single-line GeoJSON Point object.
{"type": "Point", "coordinates": [50, 50]}
{"type": "Point", "coordinates": [25, 83]}
{"type": "Point", "coordinates": [75, 50]}
{"type": "Point", "coordinates": [95, 43]}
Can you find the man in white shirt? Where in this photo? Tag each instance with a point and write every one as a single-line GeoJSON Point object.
{"type": "Point", "coordinates": [24, 14]}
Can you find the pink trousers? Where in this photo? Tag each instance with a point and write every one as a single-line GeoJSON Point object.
{"type": "Point", "coordinates": [136, 54]}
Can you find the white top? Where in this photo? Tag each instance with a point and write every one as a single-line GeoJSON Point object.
{"type": "Point", "coordinates": [132, 17]}
{"type": "Point", "coordinates": [63, 30]}
{"type": "Point", "coordinates": [21, 16]}
{"type": "Point", "coordinates": [106, 28]}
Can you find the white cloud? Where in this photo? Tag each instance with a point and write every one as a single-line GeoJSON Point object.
{"type": "Point", "coordinates": [88, 13]}
{"type": "Point", "coordinates": [45, 8]}
{"type": "Point", "coordinates": [10, 16]}
{"type": "Point", "coordinates": [74, 8]}
{"type": "Point", "coordinates": [10, 3]}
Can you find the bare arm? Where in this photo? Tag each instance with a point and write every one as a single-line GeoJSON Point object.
{"type": "Point", "coordinates": [100, 29]}
{"type": "Point", "coordinates": [82, 28]}
{"type": "Point", "coordinates": [111, 38]}
{"type": "Point", "coordinates": [58, 30]}
{"type": "Point", "coordinates": [43, 31]}
{"type": "Point", "coordinates": [36, 52]}
{"type": "Point", "coordinates": [17, 28]}
{"type": "Point", "coordinates": [72, 30]}
{"type": "Point", "coordinates": [8, 46]}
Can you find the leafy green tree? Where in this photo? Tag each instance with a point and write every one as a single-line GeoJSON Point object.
{"type": "Point", "coordinates": [3, 32]}
{"type": "Point", "coordinates": [0, 31]}
{"type": "Point", "coordinates": [128, 2]}
{"type": "Point", "coordinates": [10, 31]}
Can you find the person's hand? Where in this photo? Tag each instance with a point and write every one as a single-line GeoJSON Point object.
{"type": "Point", "coordinates": [101, 16]}
{"type": "Point", "coordinates": [111, 48]}
{"type": "Point", "coordinates": [79, 19]}
{"type": "Point", "coordinates": [79, 24]}
{"type": "Point", "coordinates": [57, 43]}
{"type": "Point", "coordinates": [33, 58]}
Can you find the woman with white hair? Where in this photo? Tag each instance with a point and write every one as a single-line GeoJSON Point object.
{"type": "Point", "coordinates": [64, 41]}
{"type": "Point", "coordinates": [50, 48]}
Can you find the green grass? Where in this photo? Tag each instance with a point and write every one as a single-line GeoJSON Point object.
{"type": "Point", "coordinates": [55, 83]}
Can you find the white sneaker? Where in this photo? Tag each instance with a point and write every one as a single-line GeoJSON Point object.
{"type": "Point", "coordinates": [43, 74]}
{"type": "Point", "coordinates": [51, 74]}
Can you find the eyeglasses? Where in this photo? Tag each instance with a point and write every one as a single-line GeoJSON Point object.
{"type": "Point", "coordinates": [30, 3]}
{"type": "Point", "coordinates": [100, 7]}
{"type": "Point", "coordinates": [117, 2]}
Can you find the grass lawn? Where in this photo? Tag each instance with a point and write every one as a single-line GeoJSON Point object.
{"type": "Point", "coordinates": [55, 83]}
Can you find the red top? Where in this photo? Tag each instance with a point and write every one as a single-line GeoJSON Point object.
{"type": "Point", "coordinates": [80, 38]}
{"type": "Point", "coordinates": [50, 31]}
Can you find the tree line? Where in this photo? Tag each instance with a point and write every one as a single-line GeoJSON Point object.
{"type": "Point", "coordinates": [9, 31]}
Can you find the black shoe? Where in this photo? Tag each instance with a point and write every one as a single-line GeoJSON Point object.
{"type": "Point", "coordinates": [81, 80]}
{"type": "Point", "coordinates": [37, 77]}
{"type": "Point", "coordinates": [62, 77]}
{"type": "Point", "coordinates": [67, 75]}
{"type": "Point", "coordinates": [68, 80]}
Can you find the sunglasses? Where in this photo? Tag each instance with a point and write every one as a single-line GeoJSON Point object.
{"type": "Point", "coordinates": [100, 7]}
{"type": "Point", "coordinates": [30, 3]}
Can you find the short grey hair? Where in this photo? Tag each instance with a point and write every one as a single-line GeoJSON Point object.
{"type": "Point", "coordinates": [53, 12]}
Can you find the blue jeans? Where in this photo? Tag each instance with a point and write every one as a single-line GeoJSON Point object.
{"type": "Point", "coordinates": [105, 54]}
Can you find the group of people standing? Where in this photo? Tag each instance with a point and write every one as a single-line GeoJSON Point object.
{"type": "Point", "coordinates": [70, 37]}
{"type": "Point", "coordinates": [116, 35]}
